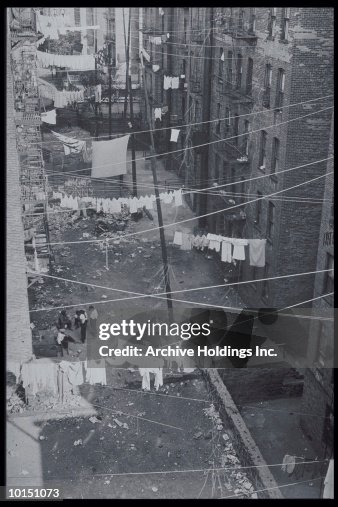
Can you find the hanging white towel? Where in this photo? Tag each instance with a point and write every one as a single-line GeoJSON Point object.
{"type": "Point", "coordinates": [239, 251]}
{"type": "Point", "coordinates": [175, 82]}
{"type": "Point", "coordinates": [178, 198]}
{"type": "Point", "coordinates": [174, 135]}
{"type": "Point", "coordinates": [177, 238]}
{"type": "Point", "coordinates": [226, 251]}
{"type": "Point", "coordinates": [49, 117]}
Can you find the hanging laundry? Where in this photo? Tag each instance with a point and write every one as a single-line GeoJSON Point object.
{"type": "Point", "coordinates": [109, 158]}
{"type": "Point", "coordinates": [174, 135]}
{"type": "Point", "coordinates": [226, 251]}
{"type": "Point", "coordinates": [214, 242]}
{"type": "Point", "coordinates": [73, 372]}
{"type": "Point", "coordinates": [239, 251]}
{"type": "Point", "coordinates": [167, 82]}
{"type": "Point", "coordinates": [133, 205]}
{"type": "Point", "coordinates": [178, 198]}
{"type": "Point", "coordinates": [257, 252]}
{"type": "Point", "coordinates": [205, 242]}
{"type": "Point", "coordinates": [148, 202]}
{"type": "Point", "coordinates": [156, 68]}
{"type": "Point", "coordinates": [158, 113]}
{"type": "Point", "coordinates": [96, 372]}
{"type": "Point", "coordinates": [49, 117]}
{"type": "Point", "coordinates": [186, 241]}
{"type": "Point", "coordinates": [222, 56]}
{"type": "Point", "coordinates": [158, 372]}
{"type": "Point", "coordinates": [168, 198]}
{"type": "Point", "coordinates": [144, 372]}
{"type": "Point", "coordinates": [178, 238]}
{"type": "Point", "coordinates": [145, 54]}
{"type": "Point", "coordinates": [75, 145]}
{"type": "Point", "coordinates": [175, 83]}
{"type": "Point", "coordinates": [40, 375]}
{"type": "Point", "coordinates": [161, 11]}
{"type": "Point", "coordinates": [73, 62]}
{"type": "Point", "coordinates": [329, 481]}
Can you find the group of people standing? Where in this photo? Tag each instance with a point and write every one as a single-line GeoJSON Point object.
{"type": "Point", "coordinates": [81, 321]}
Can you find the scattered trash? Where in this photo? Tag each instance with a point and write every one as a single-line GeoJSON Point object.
{"type": "Point", "coordinates": [41, 437]}
{"type": "Point", "coordinates": [94, 419]}
{"type": "Point", "coordinates": [103, 296]}
{"type": "Point", "coordinates": [197, 435]}
{"type": "Point", "coordinates": [78, 442]}
{"type": "Point", "coordinates": [154, 489]}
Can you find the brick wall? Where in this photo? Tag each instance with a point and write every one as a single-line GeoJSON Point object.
{"type": "Point", "coordinates": [19, 338]}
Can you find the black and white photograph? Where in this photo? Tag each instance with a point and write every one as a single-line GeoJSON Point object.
{"type": "Point", "coordinates": [169, 225]}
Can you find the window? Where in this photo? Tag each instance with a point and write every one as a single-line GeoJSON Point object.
{"type": "Point", "coordinates": [262, 151]}
{"type": "Point", "coordinates": [272, 22]}
{"type": "Point", "coordinates": [280, 88]}
{"type": "Point", "coordinates": [236, 128]}
{"type": "Point", "coordinates": [329, 275]}
{"type": "Point", "coordinates": [231, 19]}
{"type": "Point", "coordinates": [249, 77]}
{"type": "Point", "coordinates": [267, 85]}
{"type": "Point", "coordinates": [242, 189]}
{"type": "Point", "coordinates": [233, 181]}
{"type": "Point", "coordinates": [271, 220]}
{"type": "Point", "coordinates": [227, 119]}
{"type": "Point", "coordinates": [258, 207]}
{"type": "Point", "coordinates": [275, 155]}
{"type": "Point", "coordinates": [218, 123]}
{"type": "Point", "coordinates": [77, 16]}
{"type": "Point", "coordinates": [252, 20]}
{"type": "Point", "coordinates": [285, 23]}
{"type": "Point", "coordinates": [197, 111]}
{"type": "Point", "coordinates": [217, 167]}
{"type": "Point", "coordinates": [239, 71]}
{"type": "Point", "coordinates": [246, 137]}
{"type": "Point", "coordinates": [240, 25]}
{"type": "Point", "coordinates": [229, 69]}
{"type": "Point", "coordinates": [265, 288]}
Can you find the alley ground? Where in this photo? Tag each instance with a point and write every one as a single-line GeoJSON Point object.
{"type": "Point", "coordinates": [137, 435]}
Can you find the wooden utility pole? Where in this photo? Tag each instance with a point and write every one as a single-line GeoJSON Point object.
{"type": "Point", "coordinates": [109, 85]}
{"type": "Point", "coordinates": [95, 49]}
{"type": "Point", "coordinates": [133, 154]}
{"type": "Point", "coordinates": [158, 202]}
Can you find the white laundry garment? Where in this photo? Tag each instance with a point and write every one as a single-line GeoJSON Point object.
{"type": "Point", "coordinates": [226, 251]}
{"type": "Point", "coordinates": [222, 56]}
{"type": "Point", "coordinates": [158, 113]}
{"type": "Point", "coordinates": [49, 117]}
{"type": "Point", "coordinates": [156, 68]}
{"type": "Point", "coordinates": [149, 203]}
{"type": "Point", "coordinates": [178, 198]}
{"type": "Point", "coordinates": [174, 135]}
{"type": "Point", "coordinates": [144, 372]}
{"type": "Point", "coordinates": [177, 238]}
{"type": "Point", "coordinates": [239, 251]}
{"type": "Point", "coordinates": [96, 374]}
{"type": "Point", "coordinates": [158, 372]}
{"type": "Point", "coordinates": [175, 82]}
{"type": "Point", "coordinates": [116, 206]}
{"type": "Point", "coordinates": [66, 149]}
{"type": "Point", "coordinates": [133, 205]}
{"type": "Point", "coordinates": [165, 83]}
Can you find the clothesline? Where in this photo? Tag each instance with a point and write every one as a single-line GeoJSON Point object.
{"type": "Point", "coordinates": [137, 295]}
{"type": "Point", "coordinates": [200, 216]}
{"type": "Point", "coordinates": [265, 111]}
{"type": "Point", "coordinates": [210, 143]}
{"type": "Point", "coordinates": [110, 206]}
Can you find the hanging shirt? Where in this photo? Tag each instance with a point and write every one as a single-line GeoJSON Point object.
{"type": "Point", "coordinates": [174, 135]}
{"type": "Point", "coordinates": [226, 251]}
{"type": "Point", "coordinates": [214, 242]}
{"type": "Point", "coordinates": [177, 238]}
{"type": "Point", "coordinates": [148, 203]}
{"type": "Point", "coordinates": [257, 252]}
{"type": "Point", "coordinates": [239, 251]}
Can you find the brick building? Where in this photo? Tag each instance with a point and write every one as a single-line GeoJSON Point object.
{"type": "Point", "coordinates": [318, 380]}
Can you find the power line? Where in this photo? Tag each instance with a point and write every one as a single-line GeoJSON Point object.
{"type": "Point", "coordinates": [264, 111]}
{"type": "Point", "coordinates": [196, 217]}
{"type": "Point", "coordinates": [206, 144]}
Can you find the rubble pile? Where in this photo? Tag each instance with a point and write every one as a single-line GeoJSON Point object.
{"type": "Point", "coordinates": [15, 404]}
